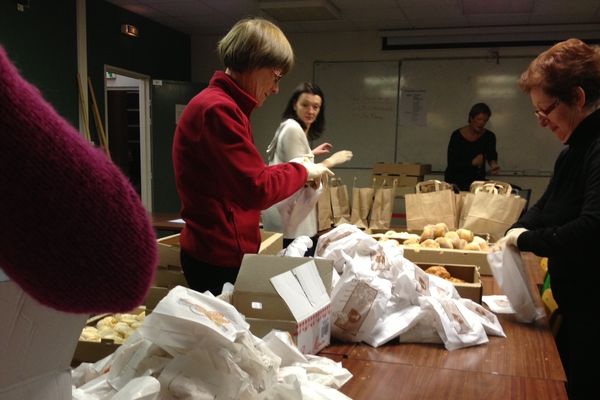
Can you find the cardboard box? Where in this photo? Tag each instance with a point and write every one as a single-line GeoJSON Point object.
{"type": "Point", "coordinates": [168, 251]}
{"type": "Point", "coordinates": [413, 169]}
{"type": "Point", "coordinates": [449, 256]}
{"type": "Point", "coordinates": [169, 247]}
{"type": "Point", "coordinates": [155, 295]}
{"type": "Point", "coordinates": [271, 242]}
{"type": "Point", "coordinates": [472, 288]}
{"type": "Point", "coordinates": [286, 302]}
{"type": "Point", "coordinates": [91, 352]}
{"type": "Point", "coordinates": [169, 277]}
{"type": "Point", "coordinates": [38, 343]}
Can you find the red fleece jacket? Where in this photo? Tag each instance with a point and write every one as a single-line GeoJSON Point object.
{"type": "Point", "coordinates": [222, 180]}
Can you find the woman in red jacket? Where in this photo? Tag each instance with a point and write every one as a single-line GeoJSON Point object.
{"type": "Point", "coordinates": [221, 178]}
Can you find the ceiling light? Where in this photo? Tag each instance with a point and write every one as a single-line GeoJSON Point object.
{"type": "Point", "coordinates": [130, 30]}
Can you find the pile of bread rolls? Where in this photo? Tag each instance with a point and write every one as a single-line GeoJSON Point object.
{"type": "Point", "coordinates": [439, 236]}
{"type": "Point", "coordinates": [116, 327]}
{"type": "Point", "coordinates": [442, 272]}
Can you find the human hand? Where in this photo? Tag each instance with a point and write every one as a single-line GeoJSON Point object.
{"type": "Point", "coordinates": [338, 158]}
{"type": "Point", "coordinates": [316, 171]}
{"type": "Point", "coordinates": [322, 149]}
{"type": "Point", "coordinates": [510, 239]}
{"type": "Point", "coordinates": [478, 160]}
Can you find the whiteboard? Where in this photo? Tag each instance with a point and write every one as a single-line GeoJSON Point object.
{"type": "Point", "coordinates": [361, 102]}
{"type": "Point", "coordinates": [436, 96]}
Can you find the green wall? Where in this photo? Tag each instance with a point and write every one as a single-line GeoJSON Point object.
{"type": "Point", "coordinates": [42, 42]}
{"type": "Point", "coordinates": [160, 52]}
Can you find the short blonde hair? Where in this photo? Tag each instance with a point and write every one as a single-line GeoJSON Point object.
{"type": "Point", "coordinates": [255, 43]}
{"type": "Point", "coordinates": [559, 70]}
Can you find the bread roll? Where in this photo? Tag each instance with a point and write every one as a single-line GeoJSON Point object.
{"type": "Point", "coordinates": [411, 242]}
{"type": "Point", "coordinates": [453, 237]}
{"type": "Point", "coordinates": [472, 246]}
{"type": "Point", "coordinates": [439, 230]}
{"type": "Point", "coordinates": [430, 243]}
{"type": "Point", "coordinates": [428, 233]}
{"type": "Point", "coordinates": [444, 243]}
{"type": "Point", "coordinates": [438, 270]}
{"type": "Point", "coordinates": [465, 234]}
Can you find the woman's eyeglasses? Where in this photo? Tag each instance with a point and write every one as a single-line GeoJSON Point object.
{"type": "Point", "coordinates": [278, 76]}
{"type": "Point", "coordinates": [543, 113]}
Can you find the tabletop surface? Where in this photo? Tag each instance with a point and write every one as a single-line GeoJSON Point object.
{"type": "Point", "coordinates": [524, 365]}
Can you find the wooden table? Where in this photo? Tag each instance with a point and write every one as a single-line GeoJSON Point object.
{"type": "Point", "coordinates": [524, 365]}
{"type": "Point", "coordinates": [163, 222]}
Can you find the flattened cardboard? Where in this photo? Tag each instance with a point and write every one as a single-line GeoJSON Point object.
{"type": "Point", "coordinates": [472, 288]}
{"type": "Point", "coordinates": [256, 298]}
{"type": "Point", "coordinates": [36, 348]}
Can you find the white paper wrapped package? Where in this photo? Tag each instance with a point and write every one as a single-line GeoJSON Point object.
{"type": "Point", "coordinates": [457, 325]}
{"type": "Point", "coordinates": [508, 271]}
{"type": "Point", "coordinates": [358, 302]}
{"type": "Point", "coordinates": [186, 318]}
{"type": "Point", "coordinates": [342, 243]}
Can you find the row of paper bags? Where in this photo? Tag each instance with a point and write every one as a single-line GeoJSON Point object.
{"type": "Point", "coordinates": [371, 206]}
{"type": "Point", "coordinates": [489, 207]}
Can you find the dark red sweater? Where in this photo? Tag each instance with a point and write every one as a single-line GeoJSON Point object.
{"type": "Point", "coordinates": [73, 232]}
{"type": "Point", "coordinates": [222, 180]}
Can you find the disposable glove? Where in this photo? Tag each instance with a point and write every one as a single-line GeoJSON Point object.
{"type": "Point", "coordinates": [513, 235]}
{"type": "Point", "coordinates": [338, 158]}
{"type": "Point", "coordinates": [510, 239]}
{"type": "Point", "coordinates": [315, 171]}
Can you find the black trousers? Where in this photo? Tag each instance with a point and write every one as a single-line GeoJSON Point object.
{"type": "Point", "coordinates": [202, 276]}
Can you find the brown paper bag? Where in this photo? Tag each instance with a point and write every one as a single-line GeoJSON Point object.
{"type": "Point", "coordinates": [362, 201]}
{"type": "Point", "coordinates": [433, 202]}
{"type": "Point", "coordinates": [340, 205]}
{"type": "Point", "coordinates": [383, 205]}
{"type": "Point", "coordinates": [324, 211]}
{"type": "Point", "coordinates": [493, 209]}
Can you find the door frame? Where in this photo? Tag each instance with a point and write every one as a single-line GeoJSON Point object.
{"type": "Point", "coordinates": [145, 128]}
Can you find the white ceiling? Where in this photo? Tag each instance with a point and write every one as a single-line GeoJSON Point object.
{"type": "Point", "coordinates": [215, 17]}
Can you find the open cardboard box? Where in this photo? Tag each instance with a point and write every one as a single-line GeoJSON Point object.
{"type": "Point", "coordinates": [449, 256]}
{"type": "Point", "coordinates": [87, 351]}
{"type": "Point", "coordinates": [472, 288]}
{"type": "Point", "coordinates": [266, 308]}
{"type": "Point", "coordinates": [169, 273]}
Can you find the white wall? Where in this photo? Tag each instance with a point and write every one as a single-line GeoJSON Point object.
{"type": "Point", "coordinates": [339, 46]}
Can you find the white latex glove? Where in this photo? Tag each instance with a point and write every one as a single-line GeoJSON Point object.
{"type": "Point", "coordinates": [513, 235]}
{"type": "Point", "coordinates": [338, 158]}
{"type": "Point", "coordinates": [315, 171]}
{"type": "Point", "coordinates": [510, 239]}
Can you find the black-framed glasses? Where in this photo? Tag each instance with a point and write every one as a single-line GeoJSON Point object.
{"type": "Point", "coordinates": [543, 113]}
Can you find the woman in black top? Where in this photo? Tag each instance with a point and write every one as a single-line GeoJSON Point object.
{"type": "Point", "coordinates": [470, 148]}
{"type": "Point", "coordinates": [564, 85]}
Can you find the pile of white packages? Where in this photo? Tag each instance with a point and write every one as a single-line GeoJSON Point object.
{"type": "Point", "coordinates": [196, 346]}
{"type": "Point", "coordinates": [381, 296]}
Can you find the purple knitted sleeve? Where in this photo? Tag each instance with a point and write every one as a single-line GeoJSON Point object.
{"type": "Point", "coordinates": [73, 232]}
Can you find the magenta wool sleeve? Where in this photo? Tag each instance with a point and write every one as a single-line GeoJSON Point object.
{"type": "Point", "coordinates": [73, 232]}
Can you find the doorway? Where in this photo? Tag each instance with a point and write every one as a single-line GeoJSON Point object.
{"type": "Point", "coordinates": [127, 97]}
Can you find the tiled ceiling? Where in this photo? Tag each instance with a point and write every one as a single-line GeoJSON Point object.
{"type": "Point", "coordinates": [215, 17]}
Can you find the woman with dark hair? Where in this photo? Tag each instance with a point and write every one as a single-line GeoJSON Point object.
{"type": "Point", "coordinates": [303, 120]}
{"type": "Point", "coordinates": [470, 148]}
{"type": "Point", "coordinates": [564, 86]}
